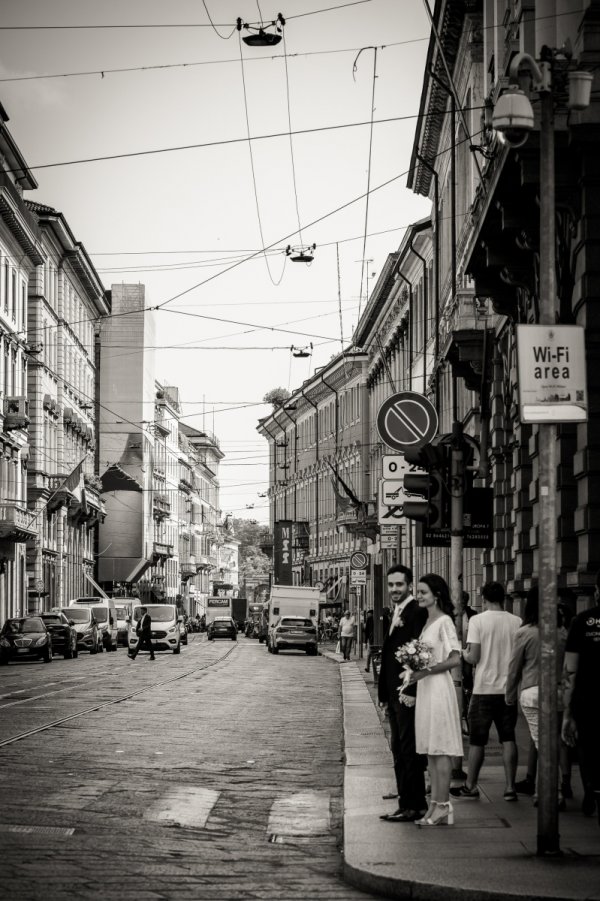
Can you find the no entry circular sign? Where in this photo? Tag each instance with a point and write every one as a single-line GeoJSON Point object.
{"type": "Point", "coordinates": [406, 420]}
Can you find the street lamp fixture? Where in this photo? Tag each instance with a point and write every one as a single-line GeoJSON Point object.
{"type": "Point", "coordinates": [261, 37]}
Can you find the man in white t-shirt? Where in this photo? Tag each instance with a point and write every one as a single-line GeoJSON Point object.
{"type": "Point", "coordinates": [489, 645]}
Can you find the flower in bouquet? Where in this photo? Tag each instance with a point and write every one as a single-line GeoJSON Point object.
{"type": "Point", "coordinates": [413, 656]}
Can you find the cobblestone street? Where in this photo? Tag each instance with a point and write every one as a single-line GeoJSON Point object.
{"type": "Point", "coordinates": [221, 778]}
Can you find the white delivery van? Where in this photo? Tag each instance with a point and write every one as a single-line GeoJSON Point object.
{"type": "Point", "coordinates": [165, 632]}
{"type": "Point", "coordinates": [293, 612]}
{"type": "Point", "coordinates": [105, 614]}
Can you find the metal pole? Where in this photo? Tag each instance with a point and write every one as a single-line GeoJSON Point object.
{"type": "Point", "coordinates": [548, 839]}
{"type": "Point", "coordinates": [456, 521]}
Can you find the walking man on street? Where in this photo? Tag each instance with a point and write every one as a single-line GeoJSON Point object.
{"type": "Point", "coordinates": [346, 634]}
{"type": "Point", "coordinates": [581, 724]}
{"type": "Point", "coordinates": [409, 767]}
{"type": "Point", "coordinates": [489, 646]}
{"type": "Point", "coordinates": [144, 632]}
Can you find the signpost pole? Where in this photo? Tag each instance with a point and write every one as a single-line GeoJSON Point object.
{"type": "Point", "coordinates": [548, 836]}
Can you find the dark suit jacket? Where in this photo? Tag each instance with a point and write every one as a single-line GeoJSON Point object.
{"type": "Point", "coordinates": [144, 626]}
{"type": "Point", "coordinates": [390, 672]}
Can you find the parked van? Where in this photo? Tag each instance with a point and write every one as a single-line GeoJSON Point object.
{"type": "Point", "coordinates": [165, 632]}
{"type": "Point", "coordinates": [105, 614]}
{"type": "Point", "coordinates": [124, 607]}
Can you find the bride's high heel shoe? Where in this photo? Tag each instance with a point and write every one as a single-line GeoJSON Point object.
{"type": "Point", "coordinates": [443, 815]}
{"type": "Point", "coordinates": [425, 817]}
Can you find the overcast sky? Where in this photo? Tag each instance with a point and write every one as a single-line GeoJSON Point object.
{"type": "Point", "coordinates": [185, 222]}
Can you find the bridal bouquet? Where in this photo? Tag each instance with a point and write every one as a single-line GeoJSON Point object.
{"type": "Point", "coordinates": [415, 655]}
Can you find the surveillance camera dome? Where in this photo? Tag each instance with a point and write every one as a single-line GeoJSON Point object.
{"type": "Point", "coordinates": [514, 137]}
{"type": "Point", "coordinates": [513, 117]}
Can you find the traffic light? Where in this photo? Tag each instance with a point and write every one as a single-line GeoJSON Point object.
{"type": "Point", "coordinates": [429, 499]}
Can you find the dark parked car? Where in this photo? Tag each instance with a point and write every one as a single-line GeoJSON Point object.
{"type": "Point", "coordinates": [222, 627]}
{"type": "Point", "coordinates": [63, 632]}
{"type": "Point", "coordinates": [24, 638]}
{"type": "Point", "coordinates": [292, 632]}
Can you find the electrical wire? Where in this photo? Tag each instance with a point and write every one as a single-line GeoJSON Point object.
{"type": "Point", "coordinates": [368, 194]}
{"type": "Point", "coordinates": [209, 62]}
{"type": "Point", "coordinates": [274, 281]}
{"type": "Point", "coordinates": [289, 114]}
{"type": "Point", "coordinates": [214, 27]}
{"type": "Point", "coordinates": [228, 141]}
{"type": "Point", "coordinates": [337, 248]}
{"type": "Point", "coordinates": [338, 209]}
{"type": "Point", "coordinates": [167, 24]}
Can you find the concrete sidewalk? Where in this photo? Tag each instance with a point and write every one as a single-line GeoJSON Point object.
{"type": "Point", "coordinates": [489, 853]}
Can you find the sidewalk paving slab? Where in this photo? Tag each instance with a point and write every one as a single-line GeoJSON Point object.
{"type": "Point", "coordinates": [487, 855]}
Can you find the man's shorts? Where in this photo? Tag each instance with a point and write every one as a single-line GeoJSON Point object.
{"type": "Point", "coordinates": [487, 709]}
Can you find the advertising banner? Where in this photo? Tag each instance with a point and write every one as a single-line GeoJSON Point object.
{"type": "Point", "coordinates": [282, 551]}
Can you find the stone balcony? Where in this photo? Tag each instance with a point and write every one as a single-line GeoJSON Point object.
{"type": "Point", "coordinates": [16, 522]}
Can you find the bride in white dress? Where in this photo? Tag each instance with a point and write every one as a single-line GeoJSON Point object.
{"type": "Point", "coordinates": [437, 720]}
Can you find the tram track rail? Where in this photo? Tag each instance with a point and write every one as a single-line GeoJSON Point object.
{"type": "Point", "coordinates": [113, 702]}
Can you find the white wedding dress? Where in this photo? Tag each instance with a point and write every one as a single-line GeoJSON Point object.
{"type": "Point", "coordinates": [437, 720]}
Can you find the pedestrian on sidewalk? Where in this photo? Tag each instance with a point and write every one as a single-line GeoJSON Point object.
{"type": "Point", "coordinates": [369, 632]}
{"type": "Point", "coordinates": [407, 623]}
{"type": "Point", "coordinates": [144, 632]}
{"type": "Point", "coordinates": [581, 723]}
{"type": "Point", "coordinates": [489, 646]}
{"type": "Point", "coordinates": [346, 634]}
{"type": "Point", "coordinates": [437, 718]}
{"type": "Point", "coordinates": [524, 672]}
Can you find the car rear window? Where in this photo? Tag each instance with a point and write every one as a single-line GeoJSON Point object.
{"type": "Point", "coordinates": [53, 618]}
{"type": "Point", "coordinates": [296, 621]}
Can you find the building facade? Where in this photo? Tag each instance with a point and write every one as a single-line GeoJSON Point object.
{"type": "Point", "coordinates": [65, 300]}
{"type": "Point", "coordinates": [318, 482]}
{"type": "Point", "coordinates": [20, 256]}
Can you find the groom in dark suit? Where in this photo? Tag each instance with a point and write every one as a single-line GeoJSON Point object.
{"type": "Point", "coordinates": [407, 622]}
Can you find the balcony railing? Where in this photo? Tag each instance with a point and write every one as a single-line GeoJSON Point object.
{"type": "Point", "coordinates": [16, 522]}
{"type": "Point", "coordinates": [162, 551]}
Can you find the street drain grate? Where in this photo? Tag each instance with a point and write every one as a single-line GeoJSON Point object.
{"type": "Point", "coordinates": [36, 830]}
{"type": "Point", "coordinates": [369, 732]}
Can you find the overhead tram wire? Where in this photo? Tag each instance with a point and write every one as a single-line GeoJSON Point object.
{"type": "Point", "coordinates": [315, 12]}
{"type": "Point", "coordinates": [215, 28]}
{"type": "Point", "coordinates": [123, 70]}
{"type": "Point", "coordinates": [274, 281]}
{"type": "Point", "coordinates": [227, 142]}
{"type": "Point", "coordinates": [289, 114]}
{"type": "Point", "coordinates": [94, 27]}
{"type": "Point", "coordinates": [338, 209]}
{"type": "Point", "coordinates": [368, 194]}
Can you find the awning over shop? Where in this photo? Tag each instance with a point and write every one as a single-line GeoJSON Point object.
{"type": "Point", "coordinates": [139, 569]}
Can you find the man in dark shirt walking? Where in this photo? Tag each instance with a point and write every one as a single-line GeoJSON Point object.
{"type": "Point", "coordinates": [144, 632]}
{"type": "Point", "coordinates": [581, 723]}
{"type": "Point", "coordinates": [407, 623]}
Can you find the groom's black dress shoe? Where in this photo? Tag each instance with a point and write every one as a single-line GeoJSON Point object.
{"type": "Point", "coordinates": [402, 816]}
